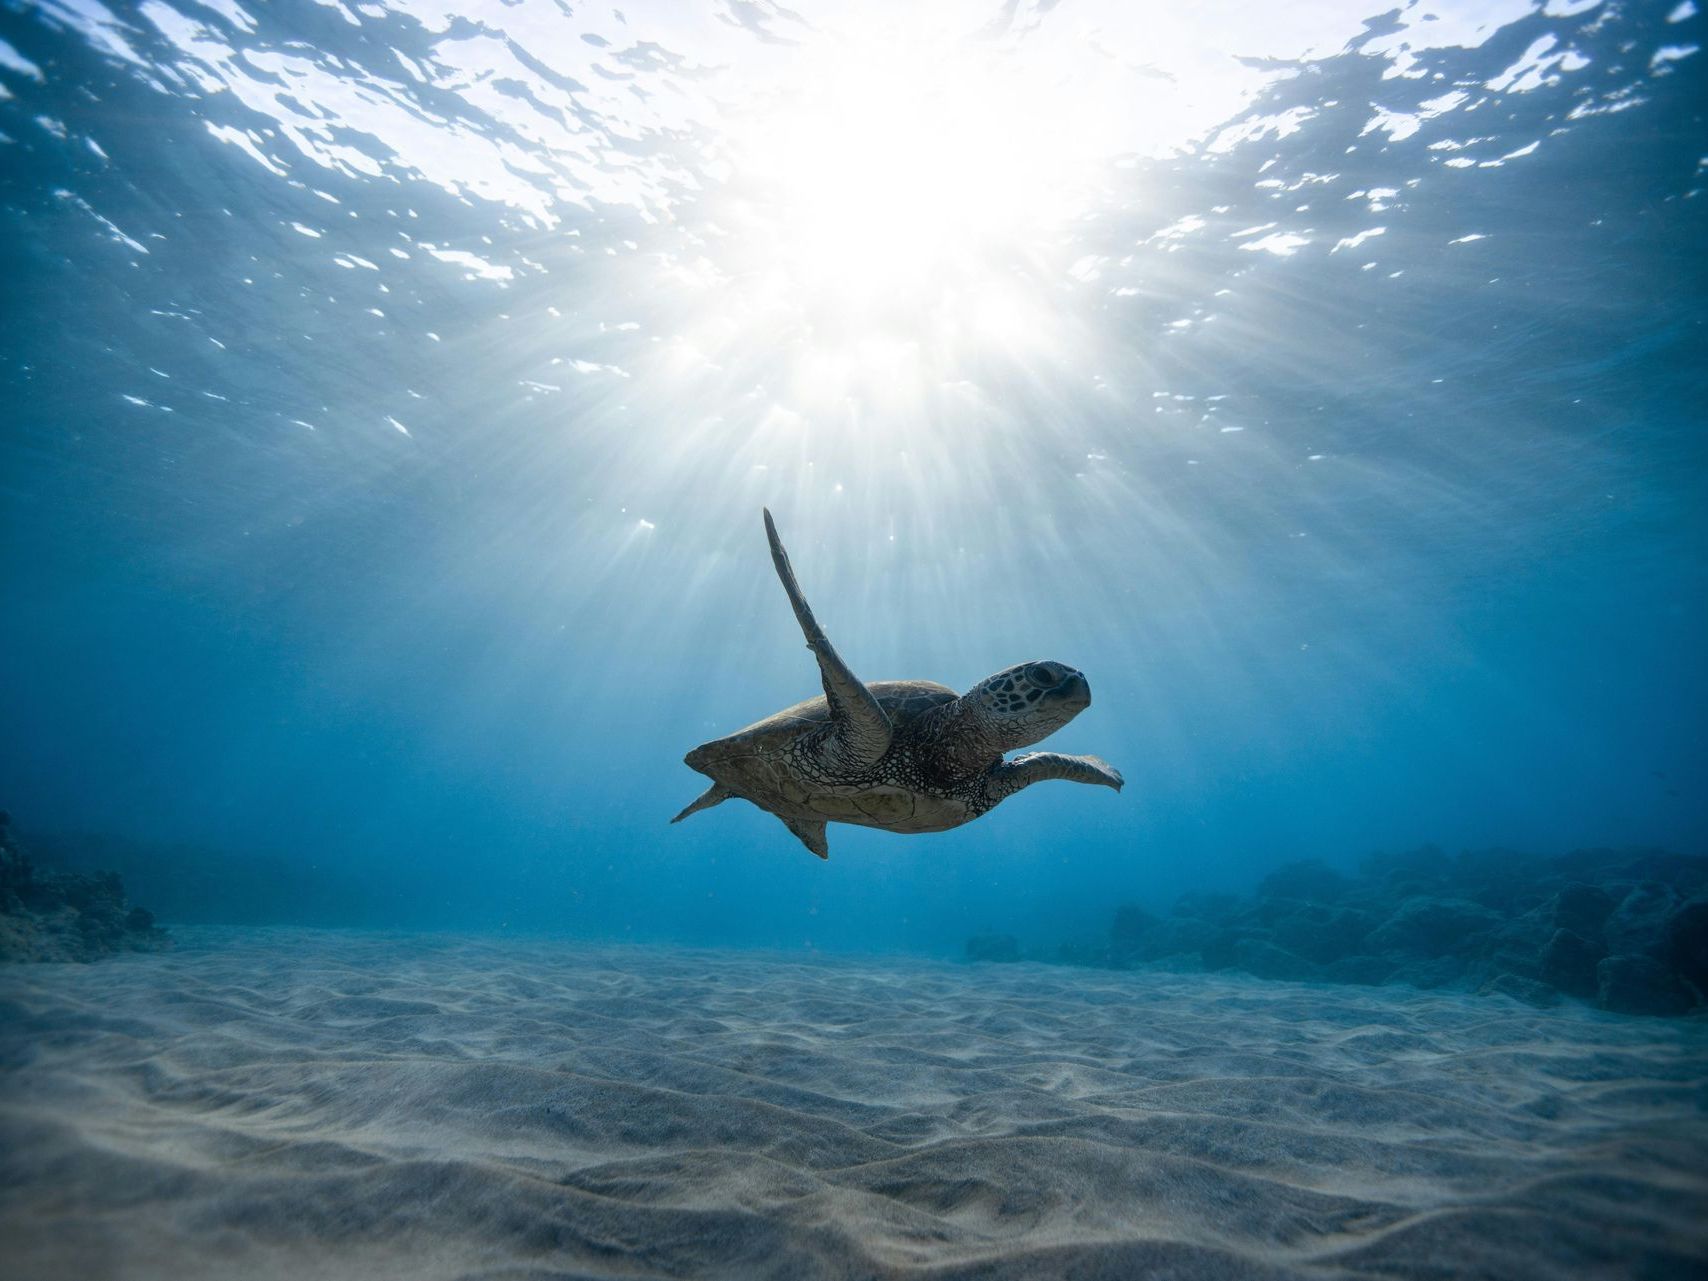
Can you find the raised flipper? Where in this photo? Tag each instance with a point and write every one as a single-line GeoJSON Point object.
{"type": "Point", "coordinates": [860, 732]}
{"type": "Point", "coordinates": [811, 833]}
{"type": "Point", "coordinates": [716, 794]}
{"type": "Point", "coordinates": [1009, 777]}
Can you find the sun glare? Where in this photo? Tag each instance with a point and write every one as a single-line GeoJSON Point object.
{"type": "Point", "coordinates": [897, 172]}
{"type": "Point", "coordinates": [904, 187]}
{"type": "Point", "coordinates": [887, 240]}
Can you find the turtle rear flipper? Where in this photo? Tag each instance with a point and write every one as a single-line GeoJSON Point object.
{"type": "Point", "coordinates": [811, 833]}
{"type": "Point", "coordinates": [716, 794]}
{"type": "Point", "coordinates": [860, 732]}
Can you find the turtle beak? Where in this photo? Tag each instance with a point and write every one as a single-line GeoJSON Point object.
{"type": "Point", "coordinates": [1074, 691]}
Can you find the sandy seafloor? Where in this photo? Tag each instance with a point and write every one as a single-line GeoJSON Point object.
{"type": "Point", "coordinates": [267, 1103]}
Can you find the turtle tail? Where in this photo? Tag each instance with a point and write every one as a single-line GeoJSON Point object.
{"type": "Point", "coordinates": [713, 795]}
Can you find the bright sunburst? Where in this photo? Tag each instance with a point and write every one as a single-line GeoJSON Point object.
{"type": "Point", "coordinates": [895, 170]}
{"type": "Point", "coordinates": [894, 207]}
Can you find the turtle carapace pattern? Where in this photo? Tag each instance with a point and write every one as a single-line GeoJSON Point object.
{"type": "Point", "coordinates": [906, 756]}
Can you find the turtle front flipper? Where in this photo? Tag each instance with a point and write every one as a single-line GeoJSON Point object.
{"type": "Point", "coordinates": [1008, 777]}
{"type": "Point", "coordinates": [811, 834]}
{"type": "Point", "coordinates": [859, 729]}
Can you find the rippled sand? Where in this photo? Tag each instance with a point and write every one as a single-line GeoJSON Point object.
{"type": "Point", "coordinates": [295, 1104]}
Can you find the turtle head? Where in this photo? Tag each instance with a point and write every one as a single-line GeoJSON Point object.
{"type": "Point", "coordinates": [1027, 703]}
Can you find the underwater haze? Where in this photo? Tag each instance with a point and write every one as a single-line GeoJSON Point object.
{"type": "Point", "coordinates": [392, 390]}
{"type": "Point", "coordinates": [1302, 403]}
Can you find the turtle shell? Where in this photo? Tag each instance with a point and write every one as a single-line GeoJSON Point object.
{"type": "Point", "coordinates": [752, 763]}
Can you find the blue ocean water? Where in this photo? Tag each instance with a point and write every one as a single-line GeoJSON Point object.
{"type": "Point", "coordinates": [391, 391]}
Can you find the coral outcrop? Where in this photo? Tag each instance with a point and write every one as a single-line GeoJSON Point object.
{"type": "Point", "coordinates": [50, 915]}
{"type": "Point", "coordinates": [1626, 930]}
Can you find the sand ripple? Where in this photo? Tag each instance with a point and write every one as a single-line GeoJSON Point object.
{"type": "Point", "coordinates": [294, 1104]}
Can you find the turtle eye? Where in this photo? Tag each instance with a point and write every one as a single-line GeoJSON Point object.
{"type": "Point", "coordinates": [1038, 674]}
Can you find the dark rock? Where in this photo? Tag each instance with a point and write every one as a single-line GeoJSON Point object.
{"type": "Point", "coordinates": [65, 916]}
{"type": "Point", "coordinates": [1637, 926]}
{"type": "Point", "coordinates": [1602, 867]}
{"type": "Point", "coordinates": [1263, 959]}
{"type": "Point", "coordinates": [1219, 950]}
{"type": "Point", "coordinates": [1529, 932]}
{"type": "Point", "coordinates": [1130, 926]}
{"type": "Point", "coordinates": [1686, 947]}
{"type": "Point", "coordinates": [993, 947]}
{"type": "Point", "coordinates": [1525, 962]}
{"type": "Point", "coordinates": [1311, 880]}
{"type": "Point", "coordinates": [1582, 909]}
{"type": "Point", "coordinates": [1261, 913]}
{"type": "Point", "coordinates": [1321, 933]}
{"type": "Point", "coordinates": [1516, 945]}
{"type": "Point", "coordinates": [1496, 920]}
{"type": "Point", "coordinates": [1522, 989]}
{"type": "Point", "coordinates": [1136, 937]}
{"type": "Point", "coordinates": [1429, 926]}
{"type": "Point", "coordinates": [1205, 906]}
{"type": "Point", "coordinates": [1641, 985]}
{"type": "Point", "coordinates": [1569, 961]}
{"type": "Point", "coordinates": [1509, 881]}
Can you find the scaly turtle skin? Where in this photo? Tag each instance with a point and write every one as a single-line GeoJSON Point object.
{"type": "Point", "coordinates": [906, 756]}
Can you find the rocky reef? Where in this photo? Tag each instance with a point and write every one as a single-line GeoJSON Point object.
{"type": "Point", "coordinates": [55, 915]}
{"type": "Point", "coordinates": [1626, 930]}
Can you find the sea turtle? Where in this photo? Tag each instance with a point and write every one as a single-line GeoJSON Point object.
{"type": "Point", "coordinates": [906, 756]}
